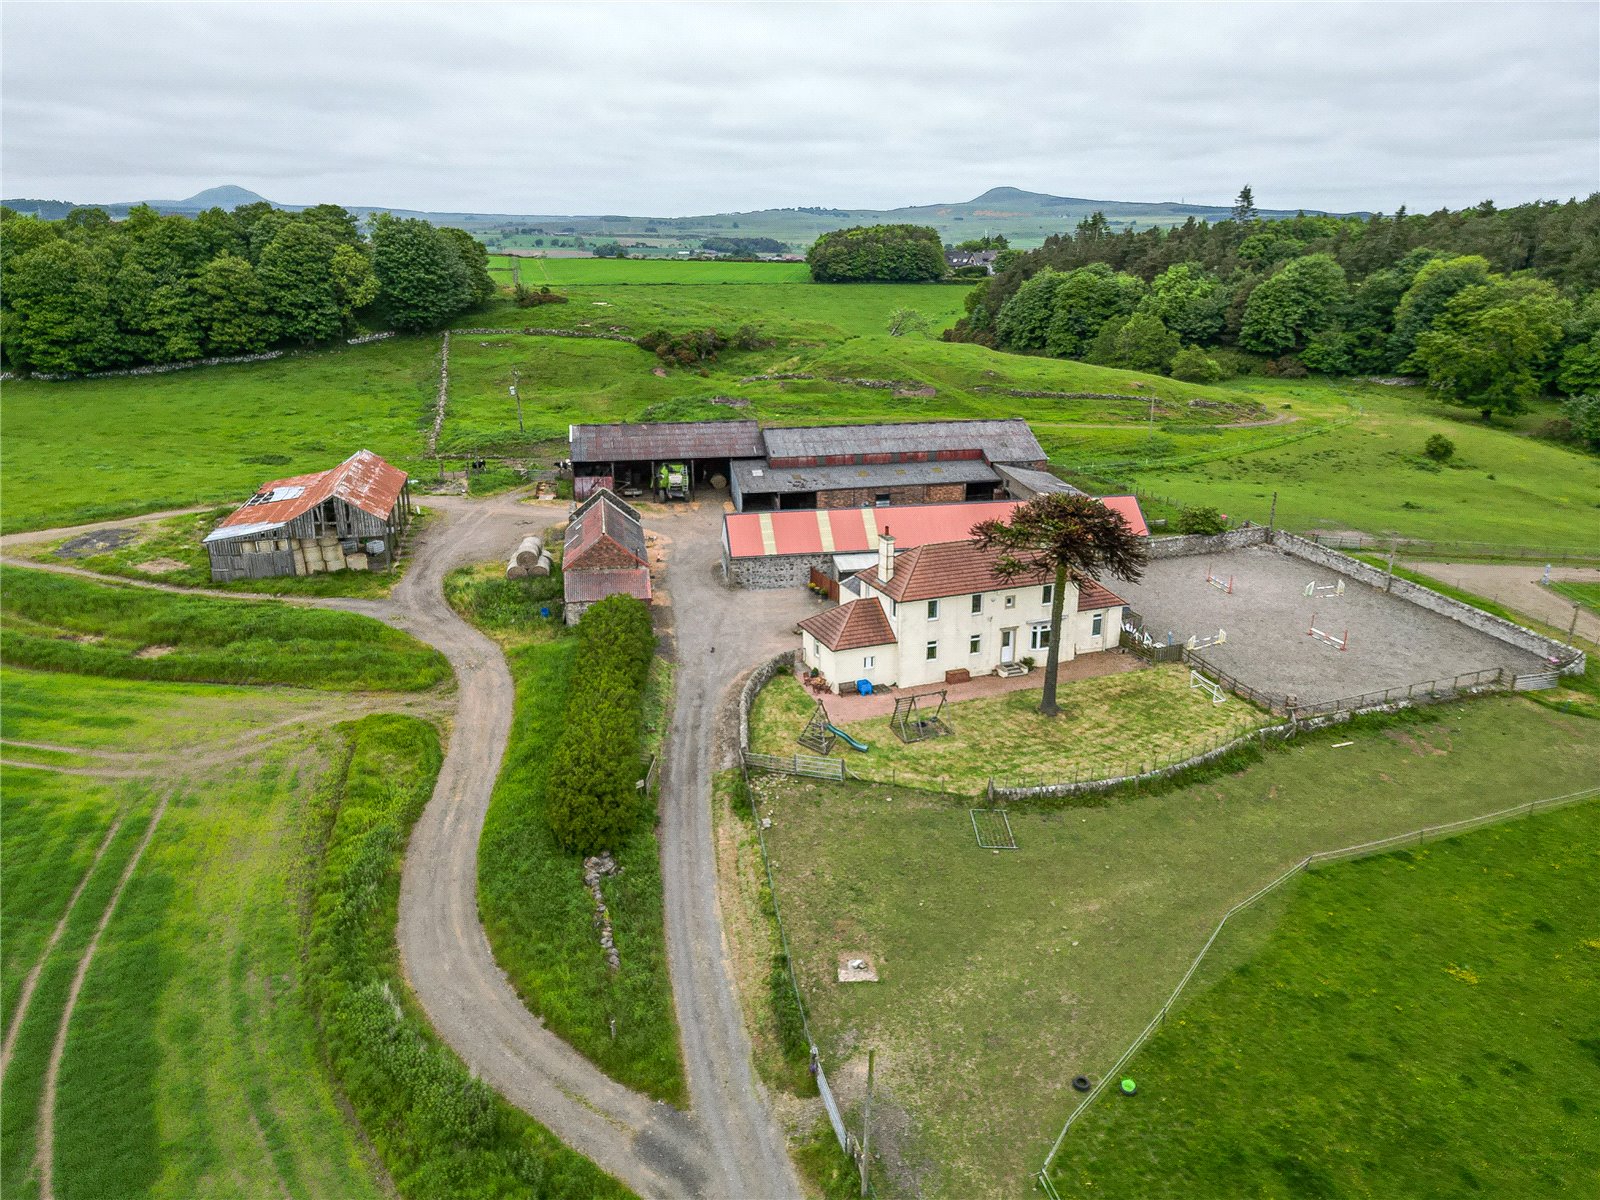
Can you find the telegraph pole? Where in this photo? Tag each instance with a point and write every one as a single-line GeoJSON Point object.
{"type": "Point", "coordinates": [516, 378]}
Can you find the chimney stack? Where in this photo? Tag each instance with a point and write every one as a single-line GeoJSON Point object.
{"type": "Point", "coordinates": [885, 556]}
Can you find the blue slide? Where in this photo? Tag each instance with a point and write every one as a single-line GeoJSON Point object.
{"type": "Point", "coordinates": [854, 745]}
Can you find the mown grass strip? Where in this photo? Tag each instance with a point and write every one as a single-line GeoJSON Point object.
{"type": "Point", "coordinates": [438, 1130]}
{"type": "Point", "coordinates": [60, 623]}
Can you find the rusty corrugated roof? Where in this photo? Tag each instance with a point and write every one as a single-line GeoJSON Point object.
{"type": "Point", "coordinates": [1006, 440]}
{"type": "Point", "coordinates": [362, 481]}
{"type": "Point", "coordinates": [665, 441]}
{"type": "Point", "coordinates": [587, 587]}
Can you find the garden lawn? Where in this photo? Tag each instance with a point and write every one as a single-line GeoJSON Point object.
{"type": "Point", "coordinates": [62, 623]}
{"type": "Point", "coordinates": [1419, 1024]}
{"type": "Point", "coordinates": [1005, 974]}
{"type": "Point", "coordinates": [1109, 726]}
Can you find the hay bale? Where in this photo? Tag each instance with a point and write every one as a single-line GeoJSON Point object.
{"type": "Point", "coordinates": [528, 553]}
{"type": "Point", "coordinates": [515, 570]}
{"type": "Point", "coordinates": [542, 567]}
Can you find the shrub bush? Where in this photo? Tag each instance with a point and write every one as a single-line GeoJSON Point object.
{"type": "Point", "coordinates": [1439, 448]}
{"type": "Point", "coordinates": [1201, 519]}
{"type": "Point", "coordinates": [592, 801]}
{"type": "Point", "coordinates": [1194, 365]}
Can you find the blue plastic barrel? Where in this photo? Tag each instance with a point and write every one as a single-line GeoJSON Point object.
{"type": "Point", "coordinates": [864, 686]}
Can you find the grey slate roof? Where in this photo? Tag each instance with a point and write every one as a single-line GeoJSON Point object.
{"type": "Point", "coordinates": [1024, 482]}
{"type": "Point", "coordinates": [1008, 440]}
{"type": "Point", "coordinates": [664, 441]}
{"type": "Point", "coordinates": [755, 477]}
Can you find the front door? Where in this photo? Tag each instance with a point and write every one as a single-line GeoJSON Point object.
{"type": "Point", "coordinates": [1008, 644]}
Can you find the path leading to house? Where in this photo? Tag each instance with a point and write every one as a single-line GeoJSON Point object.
{"type": "Point", "coordinates": [728, 1145]}
{"type": "Point", "coordinates": [843, 710]}
{"type": "Point", "coordinates": [1517, 586]}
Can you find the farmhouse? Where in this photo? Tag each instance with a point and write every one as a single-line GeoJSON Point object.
{"type": "Point", "coordinates": [940, 612]}
{"type": "Point", "coordinates": [604, 554]}
{"type": "Point", "coordinates": [782, 549]}
{"type": "Point", "coordinates": [347, 518]}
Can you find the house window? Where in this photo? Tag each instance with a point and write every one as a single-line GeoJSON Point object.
{"type": "Point", "coordinates": [1011, 601]}
{"type": "Point", "coordinates": [881, 500]}
{"type": "Point", "coordinates": [977, 603]}
{"type": "Point", "coordinates": [933, 651]}
{"type": "Point", "coordinates": [1097, 624]}
{"type": "Point", "coordinates": [1049, 592]}
{"type": "Point", "coordinates": [1039, 637]}
{"type": "Point", "coordinates": [933, 610]}
{"type": "Point", "coordinates": [974, 644]}
{"type": "Point", "coordinates": [868, 661]}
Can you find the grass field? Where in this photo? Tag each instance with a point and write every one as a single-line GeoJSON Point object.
{"type": "Point", "coordinates": [1586, 594]}
{"type": "Point", "coordinates": [62, 623]}
{"type": "Point", "coordinates": [1419, 1024]}
{"type": "Point", "coordinates": [1111, 725]}
{"type": "Point", "coordinates": [209, 436]}
{"type": "Point", "coordinates": [171, 552]}
{"type": "Point", "coordinates": [537, 911]}
{"type": "Point", "coordinates": [1005, 974]}
{"type": "Point", "coordinates": [190, 1065]}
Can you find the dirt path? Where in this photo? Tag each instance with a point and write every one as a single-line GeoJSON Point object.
{"type": "Point", "coordinates": [729, 1145]}
{"type": "Point", "coordinates": [1517, 586]}
{"type": "Point", "coordinates": [45, 1127]}
{"type": "Point", "coordinates": [31, 536]}
{"type": "Point", "coordinates": [719, 634]}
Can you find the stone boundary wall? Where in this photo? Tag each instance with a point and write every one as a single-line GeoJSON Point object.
{"type": "Point", "coordinates": [533, 331]}
{"type": "Point", "coordinates": [1189, 544]}
{"type": "Point", "coordinates": [759, 678]}
{"type": "Point", "coordinates": [1570, 658]}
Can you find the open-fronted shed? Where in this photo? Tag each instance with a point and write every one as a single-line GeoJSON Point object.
{"type": "Point", "coordinates": [348, 517]}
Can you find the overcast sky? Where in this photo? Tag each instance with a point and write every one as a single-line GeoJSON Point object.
{"type": "Point", "coordinates": [673, 110]}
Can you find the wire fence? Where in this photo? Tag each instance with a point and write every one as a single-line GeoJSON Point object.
{"type": "Point", "coordinates": [1449, 550]}
{"type": "Point", "coordinates": [1359, 850]}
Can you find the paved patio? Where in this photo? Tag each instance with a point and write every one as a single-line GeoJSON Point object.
{"type": "Point", "coordinates": [845, 709]}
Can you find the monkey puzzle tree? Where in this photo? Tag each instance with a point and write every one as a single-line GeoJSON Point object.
{"type": "Point", "coordinates": [1074, 538]}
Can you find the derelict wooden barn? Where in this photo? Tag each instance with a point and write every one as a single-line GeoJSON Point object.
{"type": "Point", "coordinates": [347, 518]}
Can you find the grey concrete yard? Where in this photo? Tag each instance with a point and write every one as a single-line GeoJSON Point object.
{"type": "Point", "coordinates": [1392, 643]}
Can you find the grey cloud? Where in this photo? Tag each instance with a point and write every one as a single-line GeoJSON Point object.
{"type": "Point", "coordinates": [667, 109]}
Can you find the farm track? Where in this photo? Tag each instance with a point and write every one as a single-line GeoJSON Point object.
{"type": "Point", "coordinates": [728, 1145]}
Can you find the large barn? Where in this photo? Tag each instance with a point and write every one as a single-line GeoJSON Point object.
{"type": "Point", "coordinates": [819, 466]}
{"type": "Point", "coordinates": [347, 518]}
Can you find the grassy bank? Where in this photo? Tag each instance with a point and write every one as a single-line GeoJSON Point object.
{"type": "Point", "coordinates": [1417, 1025]}
{"type": "Point", "coordinates": [60, 623]}
{"type": "Point", "coordinates": [438, 1129]}
{"type": "Point", "coordinates": [1003, 975]}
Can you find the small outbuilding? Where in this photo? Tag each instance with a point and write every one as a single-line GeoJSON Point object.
{"type": "Point", "coordinates": [604, 554]}
{"type": "Point", "coordinates": [348, 518]}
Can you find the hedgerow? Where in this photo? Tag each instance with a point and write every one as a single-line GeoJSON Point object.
{"type": "Point", "coordinates": [439, 1130]}
{"type": "Point", "coordinates": [592, 799]}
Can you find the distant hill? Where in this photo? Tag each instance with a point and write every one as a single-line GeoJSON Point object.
{"type": "Point", "coordinates": [1026, 218]}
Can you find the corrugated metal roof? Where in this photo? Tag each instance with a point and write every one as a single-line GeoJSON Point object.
{"type": "Point", "coordinates": [362, 481]}
{"type": "Point", "coordinates": [667, 440]}
{"type": "Point", "coordinates": [849, 530]}
{"type": "Point", "coordinates": [587, 587]}
{"type": "Point", "coordinates": [603, 518]}
{"type": "Point", "coordinates": [852, 626]}
{"type": "Point", "coordinates": [756, 477]}
{"type": "Point", "coordinates": [1008, 440]}
{"type": "Point", "coordinates": [1034, 483]}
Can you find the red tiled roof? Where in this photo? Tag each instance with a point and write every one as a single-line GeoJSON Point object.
{"type": "Point", "coordinates": [363, 481]}
{"type": "Point", "coordinates": [946, 569]}
{"type": "Point", "coordinates": [960, 568]}
{"type": "Point", "coordinates": [1127, 507]}
{"type": "Point", "coordinates": [853, 626]}
{"type": "Point", "coordinates": [606, 532]}
{"type": "Point", "coordinates": [1093, 595]}
{"type": "Point", "coordinates": [587, 587]}
{"type": "Point", "coordinates": [854, 530]}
